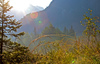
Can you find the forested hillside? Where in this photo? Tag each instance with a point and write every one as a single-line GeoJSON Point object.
{"type": "Point", "coordinates": [50, 36]}
{"type": "Point", "coordinates": [61, 13]}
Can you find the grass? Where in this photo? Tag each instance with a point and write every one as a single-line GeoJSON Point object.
{"type": "Point", "coordinates": [70, 51]}
{"type": "Point", "coordinates": [65, 51]}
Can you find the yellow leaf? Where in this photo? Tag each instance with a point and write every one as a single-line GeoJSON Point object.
{"type": "Point", "coordinates": [86, 32]}
{"type": "Point", "coordinates": [80, 21]}
{"type": "Point", "coordinates": [90, 14]}
{"type": "Point", "coordinates": [90, 10]}
{"type": "Point", "coordinates": [91, 19]}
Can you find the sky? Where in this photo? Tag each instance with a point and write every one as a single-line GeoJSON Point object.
{"type": "Point", "coordinates": [20, 6]}
{"type": "Point", "coordinates": [41, 3]}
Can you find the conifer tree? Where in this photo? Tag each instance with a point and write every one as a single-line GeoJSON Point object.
{"type": "Point", "coordinates": [45, 31]}
{"type": "Point", "coordinates": [35, 33]}
{"type": "Point", "coordinates": [71, 31]}
{"type": "Point", "coordinates": [65, 31]}
{"type": "Point", "coordinates": [49, 30]}
{"type": "Point", "coordinates": [58, 31]}
{"type": "Point", "coordinates": [8, 26]}
{"type": "Point", "coordinates": [52, 29]}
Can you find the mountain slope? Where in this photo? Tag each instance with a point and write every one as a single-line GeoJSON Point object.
{"type": "Point", "coordinates": [19, 14]}
{"type": "Point", "coordinates": [62, 13]}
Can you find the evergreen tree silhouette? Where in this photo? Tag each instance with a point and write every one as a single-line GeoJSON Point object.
{"type": "Point", "coordinates": [49, 30]}
{"type": "Point", "coordinates": [35, 33]}
{"type": "Point", "coordinates": [8, 26]}
{"type": "Point", "coordinates": [65, 31]}
{"type": "Point", "coordinates": [71, 31]}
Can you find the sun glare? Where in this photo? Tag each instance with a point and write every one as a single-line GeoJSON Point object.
{"type": "Point", "coordinates": [19, 5]}
{"type": "Point", "coordinates": [22, 5]}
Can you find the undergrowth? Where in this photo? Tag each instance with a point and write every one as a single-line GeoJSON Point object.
{"type": "Point", "coordinates": [75, 52]}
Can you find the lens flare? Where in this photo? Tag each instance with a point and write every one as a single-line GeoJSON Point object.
{"type": "Point", "coordinates": [73, 61]}
{"type": "Point", "coordinates": [34, 15]}
{"type": "Point", "coordinates": [40, 22]}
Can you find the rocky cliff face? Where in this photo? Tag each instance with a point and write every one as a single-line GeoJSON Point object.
{"type": "Point", "coordinates": [61, 13]}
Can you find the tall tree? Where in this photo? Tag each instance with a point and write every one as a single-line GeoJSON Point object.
{"type": "Point", "coordinates": [49, 30]}
{"type": "Point", "coordinates": [71, 31]}
{"type": "Point", "coordinates": [45, 31]}
{"type": "Point", "coordinates": [35, 33]}
{"type": "Point", "coordinates": [65, 31]}
{"type": "Point", "coordinates": [8, 26]}
{"type": "Point", "coordinates": [52, 29]}
{"type": "Point", "coordinates": [58, 31]}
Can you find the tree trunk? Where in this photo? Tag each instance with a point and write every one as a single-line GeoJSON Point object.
{"type": "Point", "coordinates": [2, 35]}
